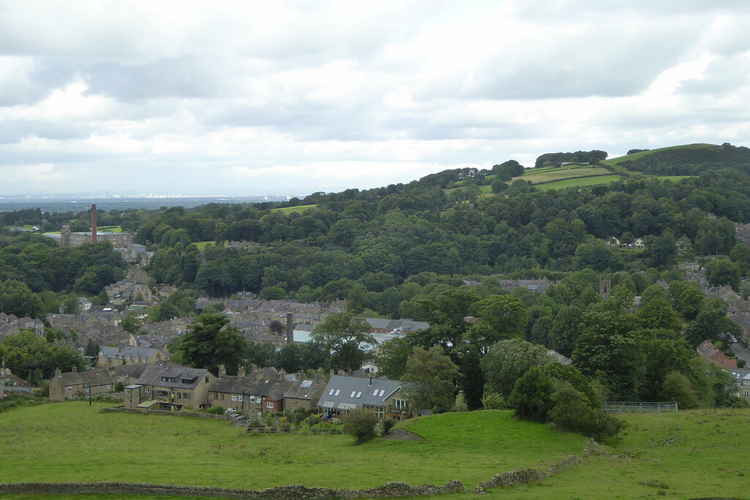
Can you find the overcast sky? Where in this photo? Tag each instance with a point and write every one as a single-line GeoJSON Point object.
{"type": "Point", "coordinates": [272, 97]}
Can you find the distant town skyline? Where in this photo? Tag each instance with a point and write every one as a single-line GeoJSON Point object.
{"type": "Point", "coordinates": [284, 98]}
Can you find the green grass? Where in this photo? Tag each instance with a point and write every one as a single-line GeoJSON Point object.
{"type": "Point", "coordinates": [71, 442]}
{"type": "Point", "coordinates": [580, 182]}
{"type": "Point", "coordinates": [642, 154]}
{"type": "Point", "coordinates": [203, 244]}
{"type": "Point", "coordinates": [294, 210]}
{"type": "Point", "coordinates": [673, 178]}
{"type": "Point", "coordinates": [110, 229]}
{"type": "Point", "coordinates": [699, 453]}
{"type": "Point", "coordinates": [551, 174]}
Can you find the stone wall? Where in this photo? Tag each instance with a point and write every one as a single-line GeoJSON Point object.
{"type": "Point", "coordinates": [390, 490]}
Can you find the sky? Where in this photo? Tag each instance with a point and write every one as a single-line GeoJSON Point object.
{"type": "Point", "coordinates": [245, 98]}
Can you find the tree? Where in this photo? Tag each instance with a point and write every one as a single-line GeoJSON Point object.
{"type": "Point", "coordinates": [502, 317]}
{"type": "Point", "coordinates": [28, 355]}
{"type": "Point", "coordinates": [342, 335]}
{"type": "Point", "coordinates": [17, 298]}
{"type": "Point", "coordinates": [392, 357]}
{"type": "Point", "coordinates": [509, 360]}
{"type": "Point", "coordinates": [211, 342]}
{"type": "Point", "coordinates": [432, 375]}
{"type": "Point", "coordinates": [723, 271]}
{"type": "Point", "coordinates": [361, 425]}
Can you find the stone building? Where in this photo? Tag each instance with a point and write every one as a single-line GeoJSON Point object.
{"type": "Point", "coordinates": [172, 385]}
{"type": "Point", "coordinates": [129, 355]}
{"type": "Point", "coordinates": [91, 383]}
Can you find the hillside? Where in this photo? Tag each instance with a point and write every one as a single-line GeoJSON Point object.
{"type": "Point", "coordinates": [71, 442]}
{"type": "Point", "coordinates": [685, 455]}
{"type": "Point", "coordinates": [689, 159]}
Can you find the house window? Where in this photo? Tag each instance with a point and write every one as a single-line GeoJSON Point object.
{"type": "Point", "coordinates": [236, 397]}
{"type": "Point", "coordinates": [400, 404]}
{"type": "Point", "coordinates": [338, 391]}
{"type": "Point", "coordinates": [330, 393]}
{"type": "Point", "coordinates": [269, 405]}
{"type": "Point", "coordinates": [359, 395]}
{"type": "Point", "coordinates": [354, 393]}
{"type": "Point", "coordinates": [375, 392]}
{"type": "Point", "coordinates": [381, 393]}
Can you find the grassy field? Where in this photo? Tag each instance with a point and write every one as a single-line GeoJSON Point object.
{"type": "Point", "coordinates": [642, 154]}
{"type": "Point", "coordinates": [294, 210]}
{"type": "Point", "coordinates": [700, 453]}
{"type": "Point", "coordinates": [72, 442]}
{"type": "Point", "coordinates": [110, 229]}
{"type": "Point", "coordinates": [580, 182]}
{"type": "Point", "coordinates": [552, 174]}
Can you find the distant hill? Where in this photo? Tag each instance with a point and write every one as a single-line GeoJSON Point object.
{"type": "Point", "coordinates": [689, 159]}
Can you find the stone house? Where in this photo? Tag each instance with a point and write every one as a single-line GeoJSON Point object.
{"type": "Point", "coordinates": [382, 396]}
{"type": "Point", "coordinates": [172, 385]}
{"type": "Point", "coordinates": [78, 385]}
{"type": "Point", "coordinates": [265, 390]}
{"type": "Point", "coordinates": [128, 355]}
{"type": "Point", "coordinates": [10, 383]}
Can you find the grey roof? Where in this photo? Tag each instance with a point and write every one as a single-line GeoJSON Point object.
{"type": "Point", "coordinates": [259, 383]}
{"type": "Point", "coordinates": [180, 377]}
{"type": "Point", "coordinates": [305, 388]}
{"type": "Point", "coordinates": [102, 376]}
{"type": "Point", "coordinates": [404, 325]}
{"type": "Point", "coordinates": [348, 393]}
{"type": "Point", "coordinates": [127, 352]}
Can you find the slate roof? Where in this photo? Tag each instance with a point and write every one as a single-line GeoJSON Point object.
{"type": "Point", "coordinates": [153, 375]}
{"type": "Point", "coordinates": [127, 352]}
{"type": "Point", "coordinates": [304, 388]}
{"type": "Point", "coordinates": [102, 376]}
{"type": "Point", "coordinates": [258, 383]}
{"type": "Point", "coordinates": [349, 393]}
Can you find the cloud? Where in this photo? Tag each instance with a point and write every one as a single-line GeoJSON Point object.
{"type": "Point", "coordinates": [300, 96]}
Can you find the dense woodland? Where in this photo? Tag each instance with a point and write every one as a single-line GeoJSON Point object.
{"type": "Point", "coordinates": [434, 249]}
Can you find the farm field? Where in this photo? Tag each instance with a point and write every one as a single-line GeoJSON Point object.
{"type": "Point", "coordinates": [552, 174]}
{"type": "Point", "coordinates": [642, 154]}
{"type": "Point", "coordinates": [580, 182]}
{"type": "Point", "coordinates": [294, 210]}
{"type": "Point", "coordinates": [71, 442]}
{"type": "Point", "coordinates": [692, 454]}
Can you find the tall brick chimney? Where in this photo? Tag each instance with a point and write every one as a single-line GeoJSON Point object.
{"type": "Point", "coordinates": [289, 328]}
{"type": "Point", "coordinates": [93, 223]}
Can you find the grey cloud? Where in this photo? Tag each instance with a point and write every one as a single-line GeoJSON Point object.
{"type": "Point", "coordinates": [722, 75]}
{"type": "Point", "coordinates": [12, 131]}
{"type": "Point", "coordinates": [597, 63]}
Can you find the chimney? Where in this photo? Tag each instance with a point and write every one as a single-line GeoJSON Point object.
{"type": "Point", "coordinates": [93, 223]}
{"type": "Point", "coordinates": [289, 328]}
{"type": "Point", "coordinates": [222, 371]}
{"type": "Point", "coordinates": [241, 371]}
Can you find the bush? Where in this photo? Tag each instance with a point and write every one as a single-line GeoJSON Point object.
{"type": "Point", "coordinates": [532, 395]}
{"type": "Point", "coordinates": [493, 401]}
{"type": "Point", "coordinates": [119, 387]}
{"type": "Point", "coordinates": [677, 386]}
{"type": "Point", "coordinates": [460, 404]}
{"type": "Point", "coordinates": [312, 420]}
{"type": "Point", "coordinates": [573, 412]}
{"type": "Point", "coordinates": [216, 410]}
{"type": "Point", "coordinates": [388, 425]}
{"type": "Point", "coordinates": [361, 425]}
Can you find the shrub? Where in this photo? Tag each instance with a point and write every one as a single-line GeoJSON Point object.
{"type": "Point", "coordinates": [216, 410]}
{"type": "Point", "coordinates": [678, 387]}
{"type": "Point", "coordinates": [388, 425]}
{"type": "Point", "coordinates": [361, 425]}
{"type": "Point", "coordinates": [493, 401]}
{"type": "Point", "coordinates": [532, 395]}
{"type": "Point", "coordinates": [573, 412]}
{"type": "Point", "coordinates": [312, 420]}
{"type": "Point", "coordinates": [460, 404]}
{"type": "Point", "coordinates": [119, 387]}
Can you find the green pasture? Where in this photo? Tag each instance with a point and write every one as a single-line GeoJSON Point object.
{"type": "Point", "coordinates": [580, 182]}
{"type": "Point", "coordinates": [72, 442]}
{"type": "Point", "coordinates": [642, 154]}
{"type": "Point", "coordinates": [560, 173]}
{"type": "Point", "coordinates": [294, 210]}
{"type": "Point", "coordinates": [691, 454]}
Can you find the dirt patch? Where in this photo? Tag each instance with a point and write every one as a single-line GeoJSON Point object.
{"type": "Point", "coordinates": [403, 435]}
